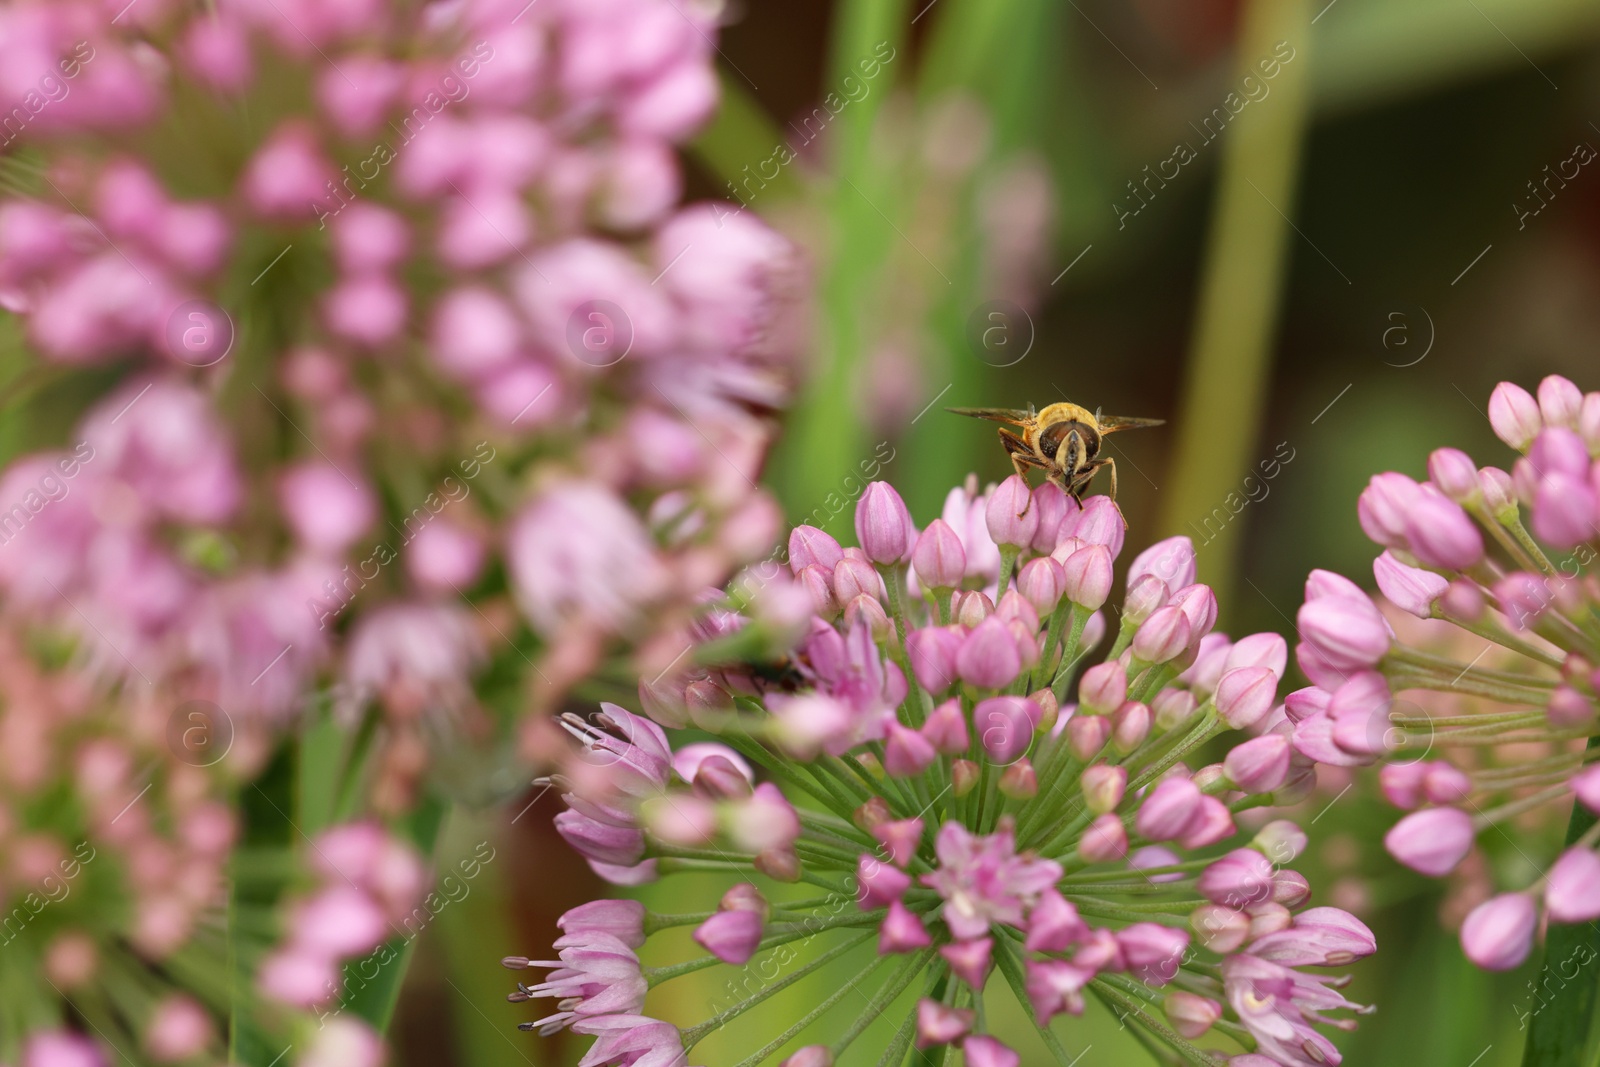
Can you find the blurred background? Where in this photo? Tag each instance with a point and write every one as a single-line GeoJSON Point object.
{"type": "Point", "coordinates": [1310, 236]}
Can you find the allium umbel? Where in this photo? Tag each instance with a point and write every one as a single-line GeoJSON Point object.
{"type": "Point", "coordinates": [935, 788]}
{"type": "Point", "coordinates": [1480, 710]}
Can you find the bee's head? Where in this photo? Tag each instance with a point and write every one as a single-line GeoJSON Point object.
{"type": "Point", "coordinates": [1069, 443]}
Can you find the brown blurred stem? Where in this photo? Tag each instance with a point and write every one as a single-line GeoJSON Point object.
{"type": "Point", "coordinates": [1220, 415]}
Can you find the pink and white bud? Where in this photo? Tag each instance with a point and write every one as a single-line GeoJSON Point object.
{"type": "Point", "coordinates": [1514, 414]}
{"type": "Point", "coordinates": [1103, 786]}
{"type": "Point", "coordinates": [809, 546]}
{"type": "Point", "coordinates": [899, 839]}
{"type": "Point", "coordinates": [939, 558]}
{"type": "Point", "coordinates": [1498, 934]}
{"type": "Point", "coordinates": [1441, 534]}
{"type": "Point", "coordinates": [1104, 840]}
{"type": "Point", "coordinates": [907, 753]}
{"type": "Point", "coordinates": [1042, 582]}
{"type": "Point", "coordinates": [1572, 888]}
{"type": "Point", "coordinates": [1168, 809]}
{"type": "Point", "coordinates": [969, 960]}
{"type": "Point", "coordinates": [1245, 695]}
{"type": "Point", "coordinates": [1432, 841]}
{"type": "Point", "coordinates": [1559, 402]}
{"type": "Point", "coordinates": [1454, 474]}
{"type": "Point", "coordinates": [989, 658]}
{"type": "Point", "coordinates": [731, 936]}
{"type": "Point", "coordinates": [1087, 576]}
{"type": "Point", "coordinates": [940, 1024]}
{"type": "Point", "coordinates": [901, 931]}
{"type": "Point", "coordinates": [883, 525]}
{"type": "Point", "coordinates": [1009, 513]}
{"type": "Point", "coordinates": [1163, 635]}
{"type": "Point", "coordinates": [1190, 1014]}
{"type": "Point", "coordinates": [1087, 735]}
{"type": "Point", "coordinates": [878, 883]}
{"type": "Point", "coordinates": [1348, 632]}
{"type": "Point", "coordinates": [1259, 765]}
{"type": "Point", "coordinates": [1409, 588]}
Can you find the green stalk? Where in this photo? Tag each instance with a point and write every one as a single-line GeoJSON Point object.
{"type": "Point", "coordinates": [1246, 262]}
{"type": "Point", "coordinates": [695, 1034]}
{"type": "Point", "coordinates": [1560, 1035]}
{"type": "Point", "coordinates": [883, 998]}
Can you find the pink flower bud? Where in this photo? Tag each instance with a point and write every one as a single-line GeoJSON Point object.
{"type": "Point", "coordinates": [1220, 929]}
{"type": "Point", "coordinates": [1005, 727]}
{"type": "Point", "coordinates": [1009, 513]}
{"type": "Point", "coordinates": [1245, 695]}
{"type": "Point", "coordinates": [907, 753]}
{"type": "Point", "coordinates": [883, 525]}
{"type": "Point", "coordinates": [1566, 511]}
{"type": "Point", "coordinates": [289, 175]}
{"type": "Point", "coordinates": [1441, 534]}
{"type": "Point", "coordinates": [1455, 475]}
{"type": "Point", "coordinates": [1383, 507]}
{"type": "Point", "coordinates": [940, 1024]}
{"type": "Point", "coordinates": [1290, 888]}
{"type": "Point", "coordinates": [1572, 892]}
{"type": "Point", "coordinates": [1104, 840]}
{"type": "Point", "coordinates": [1053, 507]}
{"type": "Point", "coordinates": [1144, 597]}
{"type": "Point", "coordinates": [1163, 635]}
{"type": "Point", "coordinates": [179, 1028]}
{"type": "Point", "coordinates": [1087, 576]}
{"type": "Point", "coordinates": [1431, 841]}
{"type": "Point", "coordinates": [972, 607]}
{"type": "Point", "coordinates": [1498, 934]}
{"type": "Point", "coordinates": [1087, 735]}
{"type": "Point", "coordinates": [946, 728]}
{"type": "Point", "coordinates": [1172, 708]}
{"type": "Point", "coordinates": [969, 961]}
{"type": "Point", "coordinates": [1515, 415]}
{"type": "Point", "coordinates": [1259, 765]}
{"type": "Point", "coordinates": [1103, 689]}
{"type": "Point", "coordinates": [939, 558]}
{"type": "Point", "coordinates": [856, 577]}
{"type": "Point", "coordinates": [1410, 588]}
{"type": "Point", "coordinates": [1042, 582]}
{"type": "Point", "coordinates": [809, 546]}
{"type": "Point", "coordinates": [988, 658]}
{"type": "Point", "coordinates": [1168, 809]}
{"type": "Point", "coordinates": [327, 511]}
{"type": "Point", "coordinates": [1559, 402]}
{"type": "Point", "coordinates": [1171, 560]}
{"type": "Point", "coordinates": [1589, 422]}
{"type": "Point", "coordinates": [810, 1056]}
{"type": "Point", "coordinates": [1347, 632]}
{"type": "Point", "coordinates": [1585, 785]}
{"type": "Point", "coordinates": [1099, 523]}
{"type": "Point", "coordinates": [1054, 986]}
{"type": "Point", "coordinates": [984, 1051]}
{"type": "Point", "coordinates": [878, 883]}
{"type": "Point", "coordinates": [1190, 1014]}
{"type": "Point", "coordinates": [899, 838]}
{"type": "Point", "coordinates": [1130, 725]}
{"type": "Point", "coordinates": [1402, 784]}
{"type": "Point", "coordinates": [1445, 784]}
{"type": "Point", "coordinates": [731, 936]}
{"type": "Point", "coordinates": [932, 651]}
{"type": "Point", "coordinates": [964, 776]}
{"type": "Point", "coordinates": [1152, 951]}
{"type": "Point", "coordinates": [1019, 781]}
{"type": "Point", "coordinates": [1053, 924]}
{"type": "Point", "coordinates": [1239, 879]}
{"type": "Point", "coordinates": [1103, 785]}
{"type": "Point", "coordinates": [1212, 822]}
{"type": "Point", "coordinates": [901, 931]}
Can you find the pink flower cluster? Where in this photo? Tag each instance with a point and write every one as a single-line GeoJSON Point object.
{"type": "Point", "coordinates": [370, 884]}
{"type": "Point", "coordinates": [406, 363]}
{"type": "Point", "coordinates": [1458, 553]}
{"type": "Point", "coordinates": [495, 333]}
{"type": "Point", "coordinates": [917, 757]}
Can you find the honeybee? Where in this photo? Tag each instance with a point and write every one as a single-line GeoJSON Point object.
{"type": "Point", "coordinates": [1063, 440]}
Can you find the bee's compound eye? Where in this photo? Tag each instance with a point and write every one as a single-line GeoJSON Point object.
{"type": "Point", "coordinates": [1051, 436]}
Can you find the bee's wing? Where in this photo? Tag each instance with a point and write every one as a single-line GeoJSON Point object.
{"type": "Point", "coordinates": [1014, 416]}
{"type": "Point", "coordinates": [1113, 423]}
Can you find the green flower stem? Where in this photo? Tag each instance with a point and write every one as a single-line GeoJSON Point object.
{"type": "Point", "coordinates": [1105, 909]}
{"type": "Point", "coordinates": [1559, 1036]}
{"type": "Point", "coordinates": [1410, 678]}
{"type": "Point", "coordinates": [695, 1034]}
{"type": "Point", "coordinates": [1070, 655]}
{"type": "Point", "coordinates": [814, 787]}
{"type": "Point", "coordinates": [1501, 532]}
{"type": "Point", "coordinates": [838, 830]}
{"type": "Point", "coordinates": [1443, 665]}
{"type": "Point", "coordinates": [1520, 805]}
{"type": "Point", "coordinates": [1524, 718]}
{"type": "Point", "coordinates": [1115, 998]}
{"type": "Point", "coordinates": [812, 1016]}
{"type": "Point", "coordinates": [1112, 876]}
{"type": "Point", "coordinates": [1061, 619]}
{"type": "Point", "coordinates": [1500, 637]}
{"type": "Point", "coordinates": [1202, 728]}
{"type": "Point", "coordinates": [881, 1000]}
{"type": "Point", "coordinates": [894, 581]}
{"type": "Point", "coordinates": [1529, 545]}
{"type": "Point", "coordinates": [1009, 961]}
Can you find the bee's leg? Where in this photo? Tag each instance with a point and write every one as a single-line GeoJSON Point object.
{"type": "Point", "coordinates": [1022, 460]}
{"type": "Point", "coordinates": [1112, 464]}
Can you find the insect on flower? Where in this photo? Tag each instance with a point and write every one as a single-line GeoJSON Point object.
{"type": "Point", "coordinates": [1063, 440]}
